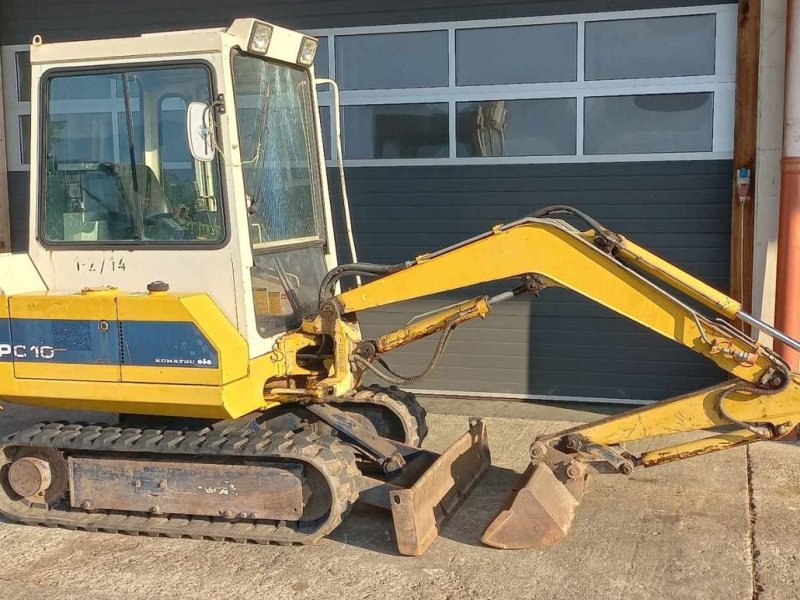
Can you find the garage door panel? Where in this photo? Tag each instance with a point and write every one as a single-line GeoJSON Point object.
{"type": "Point", "coordinates": [559, 344]}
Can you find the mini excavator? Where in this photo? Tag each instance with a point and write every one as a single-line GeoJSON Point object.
{"type": "Point", "coordinates": [182, 273]}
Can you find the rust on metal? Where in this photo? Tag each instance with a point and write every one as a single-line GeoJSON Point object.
{"type": "Point", "coordinates": [382, 450]}
{"type": "Point", "coordinates": [541, 513]}
{"type": "Point", "coordinates": [655, 459]}
{"type": "Point", "coordinates": [29, 476]}
{"type": "Point", "coordinates": [420, 510]}
{"type": "Point", "coordinates": [714, 443]}
{"type": "Point", "coordinates": [428, 324]}
{"type": "Point", "coordinates": [270, 490]}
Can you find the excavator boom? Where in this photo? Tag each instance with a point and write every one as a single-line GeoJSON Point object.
{"type": "Point", "coordinates": [761, 401]}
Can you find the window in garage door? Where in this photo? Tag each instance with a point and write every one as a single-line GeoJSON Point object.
{"type": "Point", "coordinates": [634, 86]}
{"type": "Point", "coordinates": [525, 90]}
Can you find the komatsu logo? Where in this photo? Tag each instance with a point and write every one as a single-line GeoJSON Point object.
{"type": "Point", "coordinates": [204, 362]}
{"type": "Point", "coordinates": [23, 351]}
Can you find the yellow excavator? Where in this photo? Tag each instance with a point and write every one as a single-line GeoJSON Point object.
{"type": "Point", "coordinates": [182, 273]}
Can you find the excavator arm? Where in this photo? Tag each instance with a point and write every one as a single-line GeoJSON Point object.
{"type": "Point", "coordinates": [761, 401]}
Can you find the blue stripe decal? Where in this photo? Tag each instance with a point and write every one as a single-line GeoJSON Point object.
{"type": "Point", "coordinates": [5, 340]}
{"type": "Point", "coordinates": [137, 343]}
{"type": "Point", "coordinates": [168, 344]}
{"type": "Point", "coordinates": [64, 341]}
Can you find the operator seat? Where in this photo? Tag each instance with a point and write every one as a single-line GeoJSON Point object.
{"type": "Point", "coordinates": [152, 198]}
{"type": "Point", "coordinates": [103, 194]}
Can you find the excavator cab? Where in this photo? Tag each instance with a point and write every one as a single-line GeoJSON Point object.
{"type": "Point", "coordinates": [185, 153]}
{"type": "Point", "coordinates": [166, 166]}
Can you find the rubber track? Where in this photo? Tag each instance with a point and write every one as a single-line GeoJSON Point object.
{"type": "Point", "coordinates": [403, 404]}
{"type": "Point", "coordinates": [326, 454]}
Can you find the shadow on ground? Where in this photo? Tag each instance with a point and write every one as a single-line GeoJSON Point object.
{"type": "Point", "coordinates": [371, 528]}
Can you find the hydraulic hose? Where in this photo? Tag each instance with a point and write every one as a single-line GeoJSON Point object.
{"type": "Point", "coordinates": [333, 276]}
{"type": "Point", "coordinates": [744, 386]}
{"type": "Point", "coordinates": [569, 210]}
{"type": "Point", "coordinates": [396, 379]}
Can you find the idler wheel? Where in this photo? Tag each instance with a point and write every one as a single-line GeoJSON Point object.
{"type": "Point", "coordinates": [30, 476]}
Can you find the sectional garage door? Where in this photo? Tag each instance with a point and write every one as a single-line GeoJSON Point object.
{"type": "Point", "coordinates": [557, 345]}
{"type": "Point", "coordinates": [450, 128]}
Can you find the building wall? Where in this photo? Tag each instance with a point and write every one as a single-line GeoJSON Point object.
{"type": "Point", "coordinates": [558, 345]}
{"type": "Point", "coordinates": [62, 20]}
{"type": "Point", "coordinates": [18, 207]}
{"type": "Point", "coordinates": [769, 141]}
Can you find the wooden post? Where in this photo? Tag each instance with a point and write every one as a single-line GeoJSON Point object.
{"type": "Point", "coordinates": [744, 150]}
{"type": "Point", "coordinates": [5, 221]}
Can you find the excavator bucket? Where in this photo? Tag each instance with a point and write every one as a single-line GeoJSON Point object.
{"type": "Point", "coordinates": [539, 512]}
{"type": "Point", "coordinates": [430, 488]}
{"type": "Point", "coordinates": [421, 509]}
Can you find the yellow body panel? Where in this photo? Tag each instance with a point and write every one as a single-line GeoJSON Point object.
{"type": "Point", "coordinates": [173, 375]}
{"type": "Point", "coordinates": [225, 402]}
{"type": "Point", "coordinates": [86, 305]}
{"type": "Point", "coordinates": [235, 387]}
{"type": "Point", "coordinates": [201, 310]}
{"type": "Point", "coordinates": [69, 371]}
{"type": "Point", "coordinates": [97, 307]}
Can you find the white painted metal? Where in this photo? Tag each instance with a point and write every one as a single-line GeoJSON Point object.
{"type": "Point", "coordinates": [769, 138]}
{"type": "Point", "coordinates": [540, 20]}
{"type": "Point", "coordinates": [18, 275]}
{"type": "Point", "coordinates": [524, 160]}
{"type": "Point", "coordinates": [337, 136]}
{"type": "Point", "coordinates": [791, 104]}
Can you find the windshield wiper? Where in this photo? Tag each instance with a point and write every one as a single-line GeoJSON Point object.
{"type": "Point", "coordinates": [137, 207]}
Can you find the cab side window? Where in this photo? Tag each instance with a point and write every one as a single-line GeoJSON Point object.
{"type": "Point", "coordinates": [116, 168]}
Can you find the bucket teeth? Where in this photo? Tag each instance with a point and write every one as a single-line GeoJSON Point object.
{"type": "Point", "coordinates": [540, 513]}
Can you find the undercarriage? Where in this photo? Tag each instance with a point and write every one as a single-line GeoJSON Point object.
{"type": "Point", "coordinates": [286, 476]}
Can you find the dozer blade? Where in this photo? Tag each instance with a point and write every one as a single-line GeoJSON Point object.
{"type": "Point", "coordinates": [539, 514]}
{"type": "Point", "coordinates": [420, 510]}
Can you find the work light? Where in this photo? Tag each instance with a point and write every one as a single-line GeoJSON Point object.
{"type": "Point", "coordinates": [260, 38]}
{"type": "Point", "coordinates": [308, 50]}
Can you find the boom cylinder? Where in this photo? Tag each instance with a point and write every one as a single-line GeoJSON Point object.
{"type": "Point", "coordinates": [648, 262]}
{"type": "Point", "coordinates": [776, 334]}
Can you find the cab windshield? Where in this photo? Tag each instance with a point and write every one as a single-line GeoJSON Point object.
{"type": "Point", "coordinates": [274, 111]}
{"type": "Point", "coordinates": [280, 166]}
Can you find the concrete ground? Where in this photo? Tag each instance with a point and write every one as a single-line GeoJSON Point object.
{"type": "Point", "coordinates": [720, 526]}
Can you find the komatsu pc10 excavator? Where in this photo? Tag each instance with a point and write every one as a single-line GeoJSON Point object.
{"type": "Point", "coordinates": [182, 272]}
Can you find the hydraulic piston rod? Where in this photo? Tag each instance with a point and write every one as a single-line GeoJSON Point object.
{"type": "Point", "coordinates": [769, 330]}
